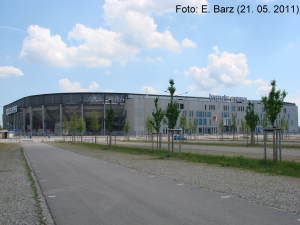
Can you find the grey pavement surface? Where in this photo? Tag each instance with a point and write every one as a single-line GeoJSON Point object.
{"type": "Point", "coordinates": [288, 152]}
{"type": "Point", "coordinates": [83, 190]}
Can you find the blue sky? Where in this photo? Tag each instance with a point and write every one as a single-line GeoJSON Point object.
{"type": "Point", "coordinates": [126, 46]}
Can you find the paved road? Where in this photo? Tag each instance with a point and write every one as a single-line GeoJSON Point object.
{"type": "Point", "coordinates": [83, 190]}
{"type": "Point", "coordinates": [288, 152]}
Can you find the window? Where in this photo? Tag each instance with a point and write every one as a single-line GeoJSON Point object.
{"type": "Point", "coordinates": [211, 107]}
{"type": "Point", "coordinates": [181, 106]}
{"type": "Point", "coordinates": [205, 107]}
{"type": "Point", "coordinates": [200, 122]}
{"type": "Point", "coordinates": [288, 116]}
{"type": "Point", "coordinates": [284, 110]}
{"type": "Point", "coordinates": [208, 114]}
{"type": "Point", "coordinates": [232, 108]}
{"type": "Point", "coordinates": [225, 114]}
{"type": "Point", "coordinates": [229, 122]}
{"type": "Point", "coordinates": [204, 121]}
{"type": "Point", "coordinates": [278, 116]}
{"type": "Point", "coordinates": [209, 121]}
{"type": "Point", "coordinates": [200, 114]}
{"type": "Point", "coordinates": [200, 129]}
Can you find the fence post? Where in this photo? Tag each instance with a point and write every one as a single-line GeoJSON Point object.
{"type": "Point", "coordinates": [180, 143]}
{"type": "Point", "coordinates": [265, 145]}
{"type": "Point", "coordinates": [280, 145]}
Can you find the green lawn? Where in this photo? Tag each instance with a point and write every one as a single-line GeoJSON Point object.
{"type": "Point", "coordinates": [286, 168]}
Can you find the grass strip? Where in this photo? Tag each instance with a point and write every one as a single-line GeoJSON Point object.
{"type": "Point", "coordinates": [286, 168]}
{"type": "Point", "coordinates": [33, 187]}
{"type": "Point", "coordinates": [297, 147]}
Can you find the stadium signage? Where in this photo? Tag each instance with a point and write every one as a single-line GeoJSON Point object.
{"type": "Point", "coordinates": [219, 98]}
{"type": "Point", "coordinates": [11, 110]}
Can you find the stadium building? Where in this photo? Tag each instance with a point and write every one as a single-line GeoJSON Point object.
{"type": "Point", "coordinates": [44, 114]}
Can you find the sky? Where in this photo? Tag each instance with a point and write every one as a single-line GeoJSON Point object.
{"type": "Point", "coordinates": [208, 47]}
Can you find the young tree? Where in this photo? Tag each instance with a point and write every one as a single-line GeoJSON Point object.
{"type": "Point", "coordinates": [234, 124]}
{"type": "Point", "coordinates": [191, 129]}
{"type": "Point", "coordinates": [221, 127]}
{"type": "Point", "coordinates": [65, 127]}
{"type": "Point", "coordinates": [110, 115]}
{"type": "Point", "coordinates": [127, 128]}
{"type": "Point", "coordinates": [95, 124]}
{"type": "Point", "coordinates": [245, 129]}
{"type": "Point", "coordinates": [158, 116]}
{"type": "Point", "coordinates": [265, 123]}
{"type": "Point", "coordinates": [274, 102]}
{"type": "Point", "coordinates": [283, 126]}
{"type": "Point", "coordinates": [1, 128]}
{"type": "Point", "coordinates": [148, 125]}
{"type": "Point", "coordinates": [252, 120]}
{"type": "Point", "coordinates": [172, 111]}
{"type": "Point", "coordinates": [273, 105]}
{"type": "Point", "coordinates": [195, 125]}
{"type": "Point", "coordinates": [73, 125]}
{"type": "Point", "coordinates": [182, 123]}
{"type": "Point", "coordinates": [286, 128]}
{"type": "Point", "coordinates": [81, 127]}
{"type": "Point", "coordinates": [173, 107]}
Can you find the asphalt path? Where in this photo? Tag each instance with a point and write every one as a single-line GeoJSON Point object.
{"type": "Point", "coordinates": [284, 151]}
{"type": "Point", "coordinates": [83, 190]}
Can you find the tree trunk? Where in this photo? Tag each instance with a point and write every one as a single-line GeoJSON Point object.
{"type": "Point", "coordinates": [172, 144]}
{"type": "Point", "coordinates": [81, 137]}
{"type": "Point", "coordinates": [274, 150]}
{"type": "Point", "coordinates": [157, 141]}
{"type": "Point", "coordinates": [252, 137]}
{"type": "Point", "coordinates": [110, 140]}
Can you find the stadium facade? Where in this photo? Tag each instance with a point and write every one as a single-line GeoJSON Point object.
{"type": "Point", "coordinates": [44, 114]}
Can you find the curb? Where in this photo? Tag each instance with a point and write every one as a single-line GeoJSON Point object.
{"type": "Point", "coordinates": [47, 217]}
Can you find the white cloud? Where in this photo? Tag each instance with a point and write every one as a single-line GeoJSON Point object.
{"type": "Point", "coordinates": [108, 91]}
{"type": "Point", "coordinates": [151, 60]}
{"type": "Point", "coordinates": [188, 43]}
{"type": "Point", "coordinates": [148, 90]}
{"type": "Point", "coordinates": [8, 71]}
{"type": "Point", "coordinates": [298, 90]}
{"type": "Point", "coordinates": [193, 26]}
{"type": "Point", "coordinates": [216, 49]}
{"type": "Point", "coordinates": [263, 90]}
{"type": "Point", "coordinates": [175, 71]}
{"type": "Point", "coordinates": [228, 70]}
{"type": "Point", "coordinates": [100, 47]}
{"type": "Point", "coordinates": [158, 59]}
{"type": "Point", "coordinates": [107, 72]}
{"type": "Point", "coordinates": [11, 28]}
{"type": "Point", "coordinates": [66, 86]}
{"type": "Point", "coordinates": [132, 30]}
{"type": "Point", "coordinates": [93, 86]}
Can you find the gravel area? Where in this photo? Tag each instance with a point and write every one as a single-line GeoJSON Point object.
{"type": "Point", "coordinates": [17, 205]}
{"type": "Point", "coordinates": [280, 192]}
{"type": "Point", "coordinates": [17, 202]}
